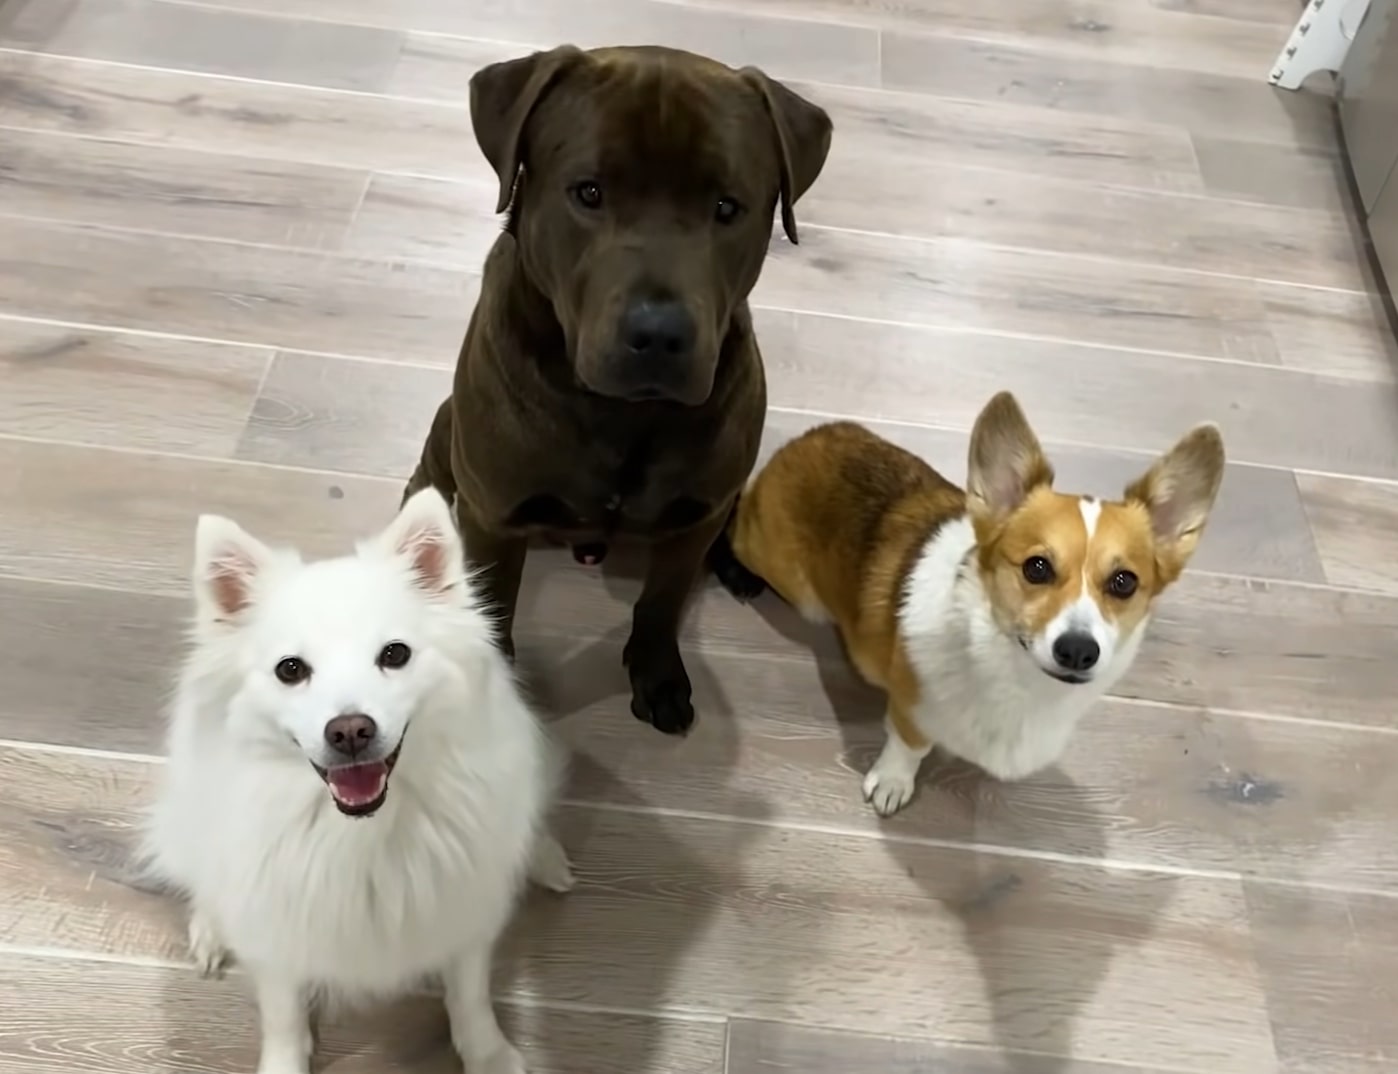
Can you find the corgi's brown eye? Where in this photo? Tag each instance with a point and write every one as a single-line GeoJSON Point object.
{"type": "Point", "coordinates": [1122, 584]}
{"type": "Point", "coordinates": [291, 670]}
{"type": "Point", "coordinates": [394, 655]}
{"type": "Point", "coordinates": [1037, 570]}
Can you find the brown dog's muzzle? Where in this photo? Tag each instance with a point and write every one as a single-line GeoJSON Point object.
{"type": "Point", "coordinates": [653, 357]}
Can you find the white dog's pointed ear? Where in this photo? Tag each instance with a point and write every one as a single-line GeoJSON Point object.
{"type": "Point", "coordinates": [227, 562]}
{"type": "Point", "coordinates": [425, 534]}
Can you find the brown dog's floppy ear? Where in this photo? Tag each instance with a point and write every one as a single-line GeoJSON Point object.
{"type": "Point", "coordinates": [803, 140]}
{"type": "Point", "coordinates": [502, 96]}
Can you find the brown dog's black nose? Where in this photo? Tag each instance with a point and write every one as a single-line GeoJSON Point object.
{"type": "Point", "coordinates": [658, 329]}
{"type": "Point", "coordinates": [351, 733]}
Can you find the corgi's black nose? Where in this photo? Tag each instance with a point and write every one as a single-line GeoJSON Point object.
{"type": "Point", "coordinates": [1076, 652]}
{"type": "Point", "coordinates": [351, 733]}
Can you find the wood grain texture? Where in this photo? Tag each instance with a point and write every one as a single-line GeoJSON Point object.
{"type": "Point", "coordinates": [779, 1048]}
{"type": "Point", "coordinates": [85, 385]}
{"type": "Point", "coordinates": [717, 918]}
{"type": "Point", "coordinates": [784, 47]}
{"type": "Point", "coordinates": [154, 33]}
{"type": "Point", "coordinates": [1303, 177]}
{"type": "Point", "coordinates": [145, 507]}
{"type": "Point", "coordinates": [1356, 530]}
{"type": "Point", "coordinates": [1086, 395]}
{"type": "Point", "coordinates": [87, 667]}
{"type": "Point", "coordinates": [187, 111]}
{"type": "Point", "coordinates": [215, 195]}
{"type": "Point", "coordinates": [135, 1019]}
{"type": "Point", "coordinates": [1329, 961]}
{"type": "Point", "coordinates": [1258, 527]}
{"type": "Point", "coordinates": [1086, 31]}
{"type": "Point", "coordinates": [1342, 333]}
{"type": "Point", "coordinates": [1209, 100]}
{"type": "Point", "coordinates": [263, 295]}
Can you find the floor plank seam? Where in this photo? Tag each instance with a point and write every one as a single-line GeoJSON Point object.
{"type": "Point", "coordinates": [918, 326]}
{"type": "Point", "coordinates": [877, 834]}
{"type": "Point", "coordinates": [471, 268]}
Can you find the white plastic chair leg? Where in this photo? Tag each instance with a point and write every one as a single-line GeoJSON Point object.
{"type": "Point", "coordinates": [1319, 42]}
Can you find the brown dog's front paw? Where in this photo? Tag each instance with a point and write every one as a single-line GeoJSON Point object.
{"type": "Point", "coordinates": [660, 690]}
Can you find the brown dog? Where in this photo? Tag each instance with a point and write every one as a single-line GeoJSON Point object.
{"type": "Point", "coordinates": [609, 383]}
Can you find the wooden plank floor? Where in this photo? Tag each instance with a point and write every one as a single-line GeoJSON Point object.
{"type": "Point", "coordinates": [239, 241]}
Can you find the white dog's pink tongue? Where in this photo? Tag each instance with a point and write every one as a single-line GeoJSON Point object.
{"type": "Point", "coordinates": [358, 784]}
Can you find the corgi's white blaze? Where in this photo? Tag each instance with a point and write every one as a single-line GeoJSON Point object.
{"type": "Point", "coordinates": [983, 696]}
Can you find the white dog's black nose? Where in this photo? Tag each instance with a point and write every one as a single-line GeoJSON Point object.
{"type": "Point", "coordinates": [351, 733]}
{"type": "Point", "coordinates": [1076, 652]}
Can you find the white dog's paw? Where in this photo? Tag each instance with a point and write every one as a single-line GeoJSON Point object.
{"type": "Point", "coordinates": [549, 866]}
{"type": "Point", "coordinates": [505, 1061]}
{"type": "Point", "coordinates": [210, 956]}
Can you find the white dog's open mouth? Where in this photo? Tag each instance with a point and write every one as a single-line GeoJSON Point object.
{"type": "Point", "coordinates": [359, 789]}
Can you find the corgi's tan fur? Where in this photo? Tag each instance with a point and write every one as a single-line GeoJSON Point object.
{"type": "Point", "coordinates": [992, 616]}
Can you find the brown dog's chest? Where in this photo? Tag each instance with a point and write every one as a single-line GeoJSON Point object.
{"type": "Point", "coordinates": [614, 494]}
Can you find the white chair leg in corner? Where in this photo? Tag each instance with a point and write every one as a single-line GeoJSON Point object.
{"type": "Point", "coordinates": [1320, 41]}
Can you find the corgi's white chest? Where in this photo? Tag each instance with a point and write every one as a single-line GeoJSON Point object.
{"type": "Point", "coordinates": [982, 697]}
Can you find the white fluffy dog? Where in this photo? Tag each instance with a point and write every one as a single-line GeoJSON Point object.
{"type": "Point", "coordinates": [356, 790]}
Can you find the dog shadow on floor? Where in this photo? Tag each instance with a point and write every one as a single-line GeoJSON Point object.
{"type": "Point", "coordinates": [1004, 865]}
{"type": "Point", "coordinates": [649, 929]}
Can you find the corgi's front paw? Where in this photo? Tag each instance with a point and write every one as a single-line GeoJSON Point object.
{"type": "Point", "coordinates": [210, 956]}
{"type": "Point", "coordinates": [888, 791]}
{"type": "Point", "coordinates": [549, 867]}
{"type": "Point", "coordinates": [890, 783]}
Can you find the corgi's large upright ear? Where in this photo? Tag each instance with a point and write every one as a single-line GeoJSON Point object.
{"type": "Point", "coordinates": [425, 534]}
{"type": "Point", "coordinates": [227, 564]}
{"type": "Point", "coordinates": [1006, 462]}
{"type": "Point", "coordinates": [1178, 493]}
{"type": "Point", "coordinates": [503, 95]}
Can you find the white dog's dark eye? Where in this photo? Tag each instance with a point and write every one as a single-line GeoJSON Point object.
{"type": "Point", "coordinates": [1037, 570]}
{"type": "Point", "coordinates": [727, 210]}
{"type": "Point", "coordinates": [291, 670]}
{"type": "Point", "coordinates": [394, 655]}
{"type": "Point", "coordinates": [1122, 584]}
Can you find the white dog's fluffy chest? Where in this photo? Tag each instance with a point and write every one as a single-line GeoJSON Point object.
{"type": "Point", "coordinates": [362, 907]}
{"type": "Point", "coordinates": [982, 698]}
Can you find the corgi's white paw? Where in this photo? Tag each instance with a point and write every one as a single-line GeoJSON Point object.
{"type": "Point", "coordinates": [890, 783]}
{"type": "Point", "coordinates": [888, 792]}
{"type": "Point", "coordinates": [549, 866]}
{"type": "Point", "coordinates": [210, 956]}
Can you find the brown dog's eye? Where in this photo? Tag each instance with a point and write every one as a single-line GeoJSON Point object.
{"type": "Point", "coordinates": [727, 210]}
{"type": "Point", "coordinates": [292, 670]}
{"type": "Point", "coordinates": [1122, 584]}
{"type": "Point", "coordinates": [587, 194]}
{"type": "Point", "coordinates": [394, 655]}
{"type": "Point", "coordinates": [1037, 570]}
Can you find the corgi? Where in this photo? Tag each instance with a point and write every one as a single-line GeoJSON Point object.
{"type": "Point", "coordinates": [355, 790]}
{"type": "Point", "coordinates": [993, 617]}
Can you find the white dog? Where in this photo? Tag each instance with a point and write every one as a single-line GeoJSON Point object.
{"type": "Point", "coordinates": [355, 790]}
